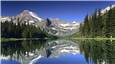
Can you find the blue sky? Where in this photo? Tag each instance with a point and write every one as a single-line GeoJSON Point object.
{"type": "Point", "coordinates": [65, 10]}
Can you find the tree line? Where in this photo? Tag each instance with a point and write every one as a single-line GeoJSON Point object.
{"type": "Point", "coordinates": [99, 25]}
{"type": "Point", "coordinates": [9, 29]}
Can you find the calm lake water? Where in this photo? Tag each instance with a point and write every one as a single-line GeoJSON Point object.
{"type": "Point", "coordinates": [58, 52]}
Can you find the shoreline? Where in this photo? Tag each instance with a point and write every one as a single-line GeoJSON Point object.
{"type": "Point", "coordinates": [79, 38]}
{"type": "Point", "coordinates": [15, 39]}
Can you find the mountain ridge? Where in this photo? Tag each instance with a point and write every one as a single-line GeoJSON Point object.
{"type": "Point", "coordinates": [57, 27]}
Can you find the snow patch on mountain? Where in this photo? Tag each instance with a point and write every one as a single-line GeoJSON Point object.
{"type": "Point", "coordinates": [31, 21]}
{"type": "Point", "coordinates": [70, 26]}
{"type": "Point", "coordinates": [76, 23]}
{"type": "Point", "coordinates": [35, 16]}
{"type": "Point", "coordinates": [107, 9]}
{"type": "Point", "coordinates": [5, 19]}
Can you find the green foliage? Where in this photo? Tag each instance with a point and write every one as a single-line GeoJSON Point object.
{"type": "Point", "coordinates": [98, 24]}
{"type": "Point", "coordinates": [22, 30]}
{"type": "Point", "coordinates": [21, 46]}
{"type": "Point", "coordinates": [99, 51]}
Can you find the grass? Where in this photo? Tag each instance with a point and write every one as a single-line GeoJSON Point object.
{"type": "Point", "coordinates": [14, 39]}
{"type": "Point", "coordinates": [95, 38]}
{"type": "Point", "coordinates": [8, 39]}
{"type": "Point", "coordinates": [113, 38]}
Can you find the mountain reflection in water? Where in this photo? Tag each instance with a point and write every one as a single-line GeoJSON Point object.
{"type": "Point", "coordinates": [58, 52]}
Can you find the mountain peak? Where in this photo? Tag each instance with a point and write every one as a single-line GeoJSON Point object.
{"type": "Point", "coordinates": [35, 15]}
{"type": "Point", "coordinates": [25, 12]}
{"type": "Point", "coordinates": [29, 16]}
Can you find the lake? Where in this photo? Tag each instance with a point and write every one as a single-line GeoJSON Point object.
{"type": "Point", "coordinates": [58, 52]}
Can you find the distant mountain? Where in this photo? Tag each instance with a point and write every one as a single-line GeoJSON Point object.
{"type": "Point", "coordinates": [58, 27]}
{"type": "Point", "coordinates": [56, 21]}
{"type": "Point", "coordinates": [61, 28]}
{"type": "Point", "coordinates": [25, 16]}
{"type": "Point", "coordinates": [28, 16]}
{"type": "Point", "coordinates": [3, 19]}
{"type": "Point", "coordinates": [103, 11]}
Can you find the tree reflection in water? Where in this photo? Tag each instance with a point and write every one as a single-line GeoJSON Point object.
{"type": "Point", "coordinates": [101, 52]}
{"type": "Point", "coordinates": [97, 52]}
{"type": "Point", "coordinates": [22, 51]}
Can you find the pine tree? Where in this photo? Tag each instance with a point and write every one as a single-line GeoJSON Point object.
{"type": "Point", "coordinates": [108, 24]}
{"type": "Point", "coordinates": [99, 24]}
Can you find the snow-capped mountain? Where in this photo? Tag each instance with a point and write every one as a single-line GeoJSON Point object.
{"type": "Point", "coordinates": [61, 28]}
{"type": "Point", "coordinates": [58, 27]}
{"type": "Point", "coordinates": [3, 19]}
{"type": "Point", "coordinates": [35, 16]}
{"type": "Point", "coordinates": [28, 16]}
{"type": "Point", "coordinates": [25, 16]}
{"type": "Point", "coordinates": [103, 11]}
{"type": "Point", "coordinates": [56, 21]}
{"type": "Point", "coordinates": [70, 26]}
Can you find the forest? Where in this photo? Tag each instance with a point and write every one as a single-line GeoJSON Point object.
{"type": "Point", "coordinates": [99, 25]}
{"type": "Point", "coordinates": [23, 30]}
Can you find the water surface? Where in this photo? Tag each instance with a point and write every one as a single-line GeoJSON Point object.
{"type": "Point", "coordinates": [58, 52]}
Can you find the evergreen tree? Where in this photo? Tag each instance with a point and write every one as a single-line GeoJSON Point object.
{"type": "Point", "coordinates": [98, 24]}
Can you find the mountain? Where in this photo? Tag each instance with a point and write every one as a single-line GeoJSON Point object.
{"type": "Point", "coordinates": [61, 28]}
{"type": "Point", "coordinates": [58, 27]}
{"type": "Point", "coordinates": [25, 16]}
{"type": "Point", "coordinates": [56, 21]}
{"type": "Point", "coordinates": [103, 11]}
{"type": "Point", "coordinates": [3, 19]}
{"type": "Point", "coordinates": [28, 16]}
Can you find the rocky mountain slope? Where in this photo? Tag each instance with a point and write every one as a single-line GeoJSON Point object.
{"type": "Point", "coordinates": [58, 27]}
